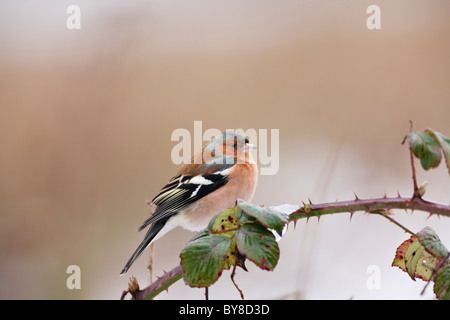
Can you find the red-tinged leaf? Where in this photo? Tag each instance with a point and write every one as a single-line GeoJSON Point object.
{"type": "Point", "coordinates": [424, 256]}
{"type": "Point", "coordinates": [399, 260]}
{"type": "Point", "coordinates": [258, 244]}
{"type": "Point", "coordinates": [412, 258]}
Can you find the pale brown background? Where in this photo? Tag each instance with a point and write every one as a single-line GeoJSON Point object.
{"type": "Point", "coordinates": [86, 117]}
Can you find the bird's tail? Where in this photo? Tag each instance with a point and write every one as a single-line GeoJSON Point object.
{"type": "Point", "coordinates": [151, 233]}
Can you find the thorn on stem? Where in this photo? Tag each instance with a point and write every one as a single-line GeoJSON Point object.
{"type": "Point", "coordinates": [295, 224]}
{"type": "Point", "coordinates": [124, 293]}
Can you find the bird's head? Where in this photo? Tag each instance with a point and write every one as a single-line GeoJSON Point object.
{"type": "Point", "coordinates": [231, 147]}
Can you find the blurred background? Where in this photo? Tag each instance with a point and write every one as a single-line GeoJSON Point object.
{"type": "Point", "coordinates": [86, 118]}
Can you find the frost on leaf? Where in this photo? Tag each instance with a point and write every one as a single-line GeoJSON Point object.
{"type": "Point", "coordinates": [268, 217]}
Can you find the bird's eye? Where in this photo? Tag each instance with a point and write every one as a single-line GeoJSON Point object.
{"type": "Point", "coordinates": [233, 144]}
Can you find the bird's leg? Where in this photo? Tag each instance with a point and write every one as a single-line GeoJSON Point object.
{"type": "Point", "coordinates": [150, 261]}
{"type": "Point", "coordinates": [151, 251]}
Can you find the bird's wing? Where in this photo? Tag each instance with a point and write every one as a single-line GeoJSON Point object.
{"type": "Point", "coordinates": [182, 191]}
{"type": "Point", "coordinates": [179, 193]}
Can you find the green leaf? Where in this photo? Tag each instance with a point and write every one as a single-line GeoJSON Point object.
{"type": "Point", "coordinates": [414, 258]}
{"type": "Point", "coordinates": [444, 143]}
{"type": "Point", "coordinates": [431, 242]}
{"type": "Point", "coordinates": [200, 234]}
{"type": "Point", "coordinates": [204, 259]}
{"type": "Point", "coordinates": [442, 284]}
{"type": "Point", "coordinates": [269, 218]}
{"type": "Point", "coordinates": [225, 223]}
{"type": "Point", "coordinates": [258, 245]}
{"type": "Point", "coordinates": [425, 147]}
{"type": "Point", "coordinates": [231, 237]}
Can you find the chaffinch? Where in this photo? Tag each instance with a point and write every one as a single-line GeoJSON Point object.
{"type": "Point", "coordinates": [217, 176]}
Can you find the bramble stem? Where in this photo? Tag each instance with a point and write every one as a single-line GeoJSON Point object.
{"type": "Point", "coordinates": [159, 285]}
{"type": "Point", "coordinates": [369, 205]}
{"type": "Point", "coordinates": [413, 168]}
{"type": "Point", "coordinates": [397, 223]}
{"type": "Point", "coordinates": [233, 273]}
{"type": "Point", "coordinates": [316, 210]}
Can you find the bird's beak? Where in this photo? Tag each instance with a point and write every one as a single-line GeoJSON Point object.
{"type": "Point", "coordinates": [249, 147]}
